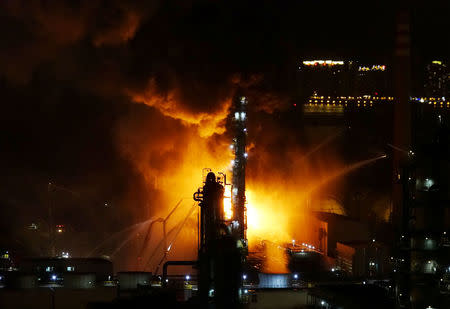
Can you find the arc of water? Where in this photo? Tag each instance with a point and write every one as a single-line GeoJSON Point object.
{"type": "Point", "coordinates": [148, 236]}
{"type": "Point", "coordinates": [158, 247]}
{"type": "Point", "coordinates": [167, 218]}
{"type": "Point", "coordinates": [160, 220]}
{"type": "Point", "coordinates": [116, 235]}
{"type": "Point", "coordinates": [167, 249]}
{"type": "Point", "coordinates": [326, 141]}
{"type": "Point", "coordinates": [127, 240]}
{"type": "Point", "coordinates": [177, 228]}
{"type": "Point", "coordinates": [344, 171]}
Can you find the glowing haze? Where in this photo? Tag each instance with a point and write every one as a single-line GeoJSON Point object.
{"type": "Point", "coordinates": [172, 149]}
{"type": "Point", "coordinates": [172, 93]}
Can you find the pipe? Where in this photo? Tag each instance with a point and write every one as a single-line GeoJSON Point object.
{"type": "Point", "coordinates": [171, 263]}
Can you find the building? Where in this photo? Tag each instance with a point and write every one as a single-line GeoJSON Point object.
{"type": "Point", "coordinates": [361, 259]}
{"type": "Point", "coordinates": [342, 229]}
{"type": "Point", "coordinates": [329, 77]}
{"type": "Point", "coordinates": [54, 270]}
{"type": "Point", "coordinates": [342, 78]}
{"type": "Point", "coordinates": [6, 263]}
{"type": "Point", "coordinates": [371, 79]}
{"type": "Point", "coordinates": [422, 261]}
{"type": "Point", "coordinates": [437, 79]}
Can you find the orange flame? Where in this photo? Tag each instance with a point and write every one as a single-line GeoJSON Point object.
{"type": "Point", "coordinates": [227, 208]}
{"type": "Point", "coordinates": [171, 160]}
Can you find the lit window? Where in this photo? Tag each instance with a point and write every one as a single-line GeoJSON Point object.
{"type": "Point", "coordinates": [70, 268]}
{"type": "Point", "coordinates": [49, 269]}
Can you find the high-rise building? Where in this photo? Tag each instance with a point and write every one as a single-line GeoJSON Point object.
{"type": "Point", "coordinates": [437, 79]}
{"type": "Point", "coordinates": [370, 80]}
{"type": "Point", "coordinates": [342, 78]}
{"type": "Point", "coordinates": [328, 77]}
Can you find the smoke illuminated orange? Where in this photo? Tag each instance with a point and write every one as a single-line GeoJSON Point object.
{"type": "Point", "coordinates": [280, 183]}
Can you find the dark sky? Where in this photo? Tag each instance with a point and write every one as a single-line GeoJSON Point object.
{"type": "Point", "coordinates": [70, 71]}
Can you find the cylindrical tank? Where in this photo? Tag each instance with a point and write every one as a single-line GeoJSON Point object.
{"type": "Point", "coordinates": [274, 281]}
{"type": "Point", "coordinates": [21, 281]}
{"type": "Point", "coordinates": [130, 280]}
{"type": "Point", "coordinates": [79, 280]}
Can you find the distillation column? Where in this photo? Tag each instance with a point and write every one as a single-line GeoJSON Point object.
{"type": "Point", "coordinates": [239, 109]}
{"type": "Point", "coordinates": [219, 261]}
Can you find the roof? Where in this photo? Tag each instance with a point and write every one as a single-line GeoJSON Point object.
{"type": "Point", "coordinates": [94, 260]}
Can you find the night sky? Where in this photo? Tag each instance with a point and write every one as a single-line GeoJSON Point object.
{"type": "Point", "coordinates": [72, 73]}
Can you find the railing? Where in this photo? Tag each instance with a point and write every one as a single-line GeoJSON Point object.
{"type": "Point", "coordinates": [370, 101]}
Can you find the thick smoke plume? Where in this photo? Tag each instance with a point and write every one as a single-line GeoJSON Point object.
{"type": "Point", "coordinates": [128, 101]}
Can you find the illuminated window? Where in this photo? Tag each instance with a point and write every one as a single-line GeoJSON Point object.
{"type": "Point", "coordinates": [49, 268]}
{"type": "Point", "coordinates": [70, 268]}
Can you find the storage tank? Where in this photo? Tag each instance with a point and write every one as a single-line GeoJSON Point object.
{"type": "Point", "coordinates": [131, 279]}
{"type": "Point", "coordinates": [79, 280]}
{"type": "Point", "coordinates": [274, 281]}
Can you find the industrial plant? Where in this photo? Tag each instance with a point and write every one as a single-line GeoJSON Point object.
{"type": "Point", "coordinates": [224, 155]}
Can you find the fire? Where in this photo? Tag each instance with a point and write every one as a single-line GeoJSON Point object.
{"type": "Point", "coordinates": [265, 223]}
{"type": "Point", "coordinates": [171, 159]}
{"type": "Point", "coordinates": [227, 208]}
{"type": "Point", "coordinates": [265, 217]}
{"type": "Point", "coordinates": [268, 224]}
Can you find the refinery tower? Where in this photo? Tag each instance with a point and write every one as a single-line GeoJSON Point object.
{"type": "Point", "coordinates": [239, 224]}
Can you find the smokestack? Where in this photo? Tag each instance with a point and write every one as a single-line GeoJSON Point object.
{"type": "Point", "coordinates": [402, 153]}
{"type": "Point", "coordinates": [402, 113]}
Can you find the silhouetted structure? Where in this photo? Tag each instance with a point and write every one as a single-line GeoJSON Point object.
{"type": "Point", "coordinates": [219, 259]}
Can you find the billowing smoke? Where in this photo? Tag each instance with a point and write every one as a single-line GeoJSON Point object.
{"type": "Point", "coordinates": [157, 78]}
